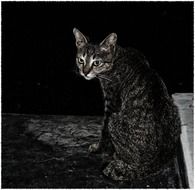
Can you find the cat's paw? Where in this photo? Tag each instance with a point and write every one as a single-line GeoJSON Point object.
{"type": "Point", "coordinates": [116, 171]}
{"type": "Point", "coordinates": [94, 148]}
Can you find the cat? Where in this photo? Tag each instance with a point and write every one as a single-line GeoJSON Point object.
{"type": "Point", "coordinates": [142, 126]}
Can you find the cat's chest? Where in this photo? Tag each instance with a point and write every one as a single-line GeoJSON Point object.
{"type": "Point", "coordinates": [111, 100]}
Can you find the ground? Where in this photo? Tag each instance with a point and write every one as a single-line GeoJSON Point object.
{"type": "Point", "coordinates": [52, 152]}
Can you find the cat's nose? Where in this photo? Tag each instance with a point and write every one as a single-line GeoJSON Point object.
{"type": "Point", "coordinates": [86, 71]}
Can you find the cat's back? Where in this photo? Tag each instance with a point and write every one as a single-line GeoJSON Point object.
{"type": "Point", "coordinates": [145, 90]}
{"type": "Point", "coordinates": [148, 119]}
{"type": "Point", "coordinates": [145, 99]}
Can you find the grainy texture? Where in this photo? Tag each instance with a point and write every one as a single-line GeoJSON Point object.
{"type": "Point", "coordinates": [142, 126]}
{"type": "Point", "coordinates": [52, 152]}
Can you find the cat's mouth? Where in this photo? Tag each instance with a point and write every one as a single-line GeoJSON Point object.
{"type": "Point", "coordinates": [92, 76]}
{"type": "Point", "coordinates": [88, 77]}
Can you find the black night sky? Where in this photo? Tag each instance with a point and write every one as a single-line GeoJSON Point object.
{"type": "Point", "coordinates": [38, 50]}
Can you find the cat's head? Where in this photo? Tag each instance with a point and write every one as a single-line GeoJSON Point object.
{"type": "Point", "coordinates": [94, 60]}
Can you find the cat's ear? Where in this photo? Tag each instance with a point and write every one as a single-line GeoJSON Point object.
{"type": "Point", "coordinates": [80, 38]}
{"type": "Point", "coordinates": [109, 42]}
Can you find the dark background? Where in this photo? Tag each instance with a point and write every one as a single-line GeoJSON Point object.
{"type": "Point", "coordinates": [38, 50]}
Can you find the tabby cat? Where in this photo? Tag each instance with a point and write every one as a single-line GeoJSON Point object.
{"type": "Point", "coordinates": [141, 124]}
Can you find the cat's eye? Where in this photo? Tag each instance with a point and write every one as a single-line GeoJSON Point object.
{"type": "Point", "coordinates": [80, 60]}
{"type": "Point", "coordinates": [97, 63]}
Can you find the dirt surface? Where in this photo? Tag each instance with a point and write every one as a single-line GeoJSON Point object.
{"type": "Point", "coordinates": [52, 152]}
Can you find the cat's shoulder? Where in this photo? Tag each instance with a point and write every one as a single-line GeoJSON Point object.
{"type": "Point", "coordinates": [136, 55]}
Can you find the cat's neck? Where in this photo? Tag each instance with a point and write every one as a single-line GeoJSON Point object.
{"type": "Point", "coordinates": [113, 78]}
{"type": "Point", "coordinates": [126, 64]}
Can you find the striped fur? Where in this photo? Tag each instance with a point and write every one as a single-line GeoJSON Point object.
{"type": "Point", "coordinates": [142, 125]}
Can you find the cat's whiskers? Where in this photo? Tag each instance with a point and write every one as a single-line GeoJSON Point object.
{"type": "Point", "coordinates": [103, 77]}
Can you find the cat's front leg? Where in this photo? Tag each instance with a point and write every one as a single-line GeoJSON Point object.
{"type": "Point", "coordinates": [100, 146]}
{"type": "Point", "coordinates": [95, 148]}
{"type": "Point", "coordinates": [117, 170]}
{"type": "Point", "coordinates": [104, 144]}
